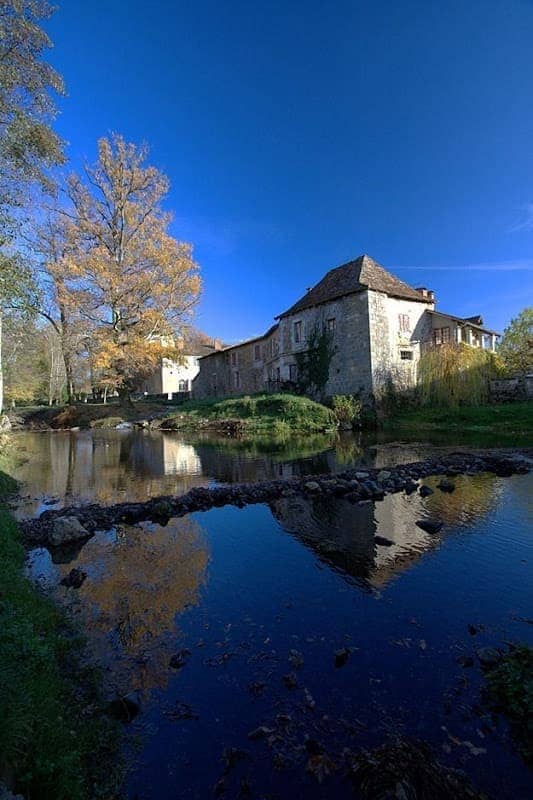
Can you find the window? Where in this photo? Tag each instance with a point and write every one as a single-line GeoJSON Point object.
{"type": "Point", "coordinates": [332, 324]}
{"type": "Point", "coordinates": [257, 352]}
{"type": "Point", "coordinates": [297, 332]}
{"type": "Point", "coordinates": [406, 355]}
{"type": "Point", "coordinates": [441, 336]}
{"type": "Point", "coordinates": [278, 374]}
{"type": "Point", "coordinates": [237, 379]}
{"type": "Point", "coordinates": [293, 372]}
{"type": "Point", "coordinates": [183, 386]}
{"type": "Point", "coordinates": [234, 359]}
{"type": "Point", "coordinates": [404, 323]}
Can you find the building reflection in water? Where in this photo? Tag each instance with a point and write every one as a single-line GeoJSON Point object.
{"type": "Point", "coordinates": [373, 542]}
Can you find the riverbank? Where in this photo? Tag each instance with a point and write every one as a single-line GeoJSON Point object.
{"type": "Point", "coordinates": [258, 415]}
{"type": "Point", "coordinates": [56, 741]}
{"type": "Point", "coordinates": [511, 423]}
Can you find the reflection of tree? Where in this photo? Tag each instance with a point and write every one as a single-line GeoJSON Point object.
{"type": "Point", "coordinates": [474, 496]}
{"type": "Point", "coordinates": [138, 581]}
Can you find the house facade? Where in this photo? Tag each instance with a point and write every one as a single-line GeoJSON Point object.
{"type": "Point", "coordinates": [378, 328]}
{"type": "Point", "coordinates": [172, 378]}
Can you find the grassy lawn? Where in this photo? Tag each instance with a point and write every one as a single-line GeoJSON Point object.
{"type": "Point", "coordinates": [512, 422]}
{"type": "Point", "coordinates": [55, 741]}
{"type": "Point", "coordinates": [275, 414]}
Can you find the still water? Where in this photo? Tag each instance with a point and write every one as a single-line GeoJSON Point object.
{"type": "Point", "coordinates": [250, 606]}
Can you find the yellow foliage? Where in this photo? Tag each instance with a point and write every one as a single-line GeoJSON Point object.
{"type": "Point", "coordinates": [456, 375]}
{"type": "Point", "coordinates": [128, 277]}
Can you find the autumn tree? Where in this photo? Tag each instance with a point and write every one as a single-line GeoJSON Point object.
{"type": "Point", "coordinates": [53, 243]}
{"type": "Point", "coordinates": [28, 145]}
{"type": "Point", "coordinates": [516, 348]}
{"type": "Point", "coordinates": [129, 278]}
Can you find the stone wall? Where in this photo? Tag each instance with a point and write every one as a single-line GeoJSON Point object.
{"type": "Point", "coordinates": [518, 388]}
{"type": "Point", "coordinates": [395, 347]}
{"type": "Point", "coordinates": [350, 371]}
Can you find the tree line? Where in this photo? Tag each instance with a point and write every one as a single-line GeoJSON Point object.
{"type": "Point", "coordinates": [93, 286]}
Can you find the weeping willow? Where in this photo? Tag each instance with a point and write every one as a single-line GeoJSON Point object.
{"type": "Point", "coordinates": [455, 375]}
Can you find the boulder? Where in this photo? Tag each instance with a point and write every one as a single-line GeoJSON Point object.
{"type": "Point", "coordinates": [383, 475]}
{"type": "Point", "coordinates": [425, 491]}
{"type": "Point", "coordinates": [74, 579]}
{"type": "Point", "coordinates": [446, 486]}
{"type": "Point", "coordinates": [430, 525]}
{"type": "Point", "coordinates": [124, 426]}
{"type": "Point", "coordinates": [312, 486]}
{"type": "Point", "coordinates": [488, 657]}
{"type": "Point", "coordinates": [66, 530]}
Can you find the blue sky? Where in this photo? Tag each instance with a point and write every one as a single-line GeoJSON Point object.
{"type": "Point", "coordinates": [298, 135]}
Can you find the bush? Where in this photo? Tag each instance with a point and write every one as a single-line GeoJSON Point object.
{"type": "Point", "coordinates": [347, 408]}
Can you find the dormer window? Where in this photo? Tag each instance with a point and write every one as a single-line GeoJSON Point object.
{"type": "Point", "coordinates": [298, 332]}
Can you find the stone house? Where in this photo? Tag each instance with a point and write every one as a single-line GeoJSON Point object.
{"type": "Point", "coordinates": [379, 326]}
{"type": "Point", "coordinates": [172, 378]}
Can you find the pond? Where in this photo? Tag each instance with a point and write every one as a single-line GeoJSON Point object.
{"type": "Point", "coordinates": [318, 627]}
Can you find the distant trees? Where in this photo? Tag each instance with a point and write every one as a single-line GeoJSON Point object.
{"type": "Point", "coordinates": [101, 271]}
{"type": "Point", "coordinates": [28, 145]}
{"type": "Point", "coordinates": [516, 348]}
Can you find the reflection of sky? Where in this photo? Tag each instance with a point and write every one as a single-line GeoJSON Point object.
{"type": "Point", "coordinates": [239, 591]}
{"type": "Point", "coordinates": [115, 466]}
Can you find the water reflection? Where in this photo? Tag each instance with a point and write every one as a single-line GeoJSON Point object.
{"type": "Point", "coordinates": [139, 580]}
{"type": "Point", "coordinates": [373, 542]}
{"type": "Point", "coordinates": [112, 466]}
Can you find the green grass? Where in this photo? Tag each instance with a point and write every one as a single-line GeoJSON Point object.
{"type": "Point", "coordinates": [275, 414]}
{"type": "Point", "coordinates": [507, 423]}
{"type": "Point", "coordinates": [55, 741]}
{"type": "Point", "coordinates": [510, 688]}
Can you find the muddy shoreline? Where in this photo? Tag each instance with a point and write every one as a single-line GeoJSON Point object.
{"type": "Point", "coordinates": [353, 485]}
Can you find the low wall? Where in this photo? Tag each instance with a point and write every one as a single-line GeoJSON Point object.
{"type": "Point", "coordinates": [518, 388]}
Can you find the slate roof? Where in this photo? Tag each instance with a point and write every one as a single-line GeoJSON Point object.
{"type": "Point", "coordinates": [245, 342]}
{"type": "Point", "coordinates": [352, 277]}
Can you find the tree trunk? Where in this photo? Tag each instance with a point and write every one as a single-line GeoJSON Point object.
{"type": "Point", "coordinates": [124, 398]}
{"type": "Point", "coordinates": [69, 378]}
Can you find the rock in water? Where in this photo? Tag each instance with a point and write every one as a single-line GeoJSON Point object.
{"type": "Point", "coordinates": [125, 708]}
{"type": "Point", "coordinates": [74, 579]}
{"type": "Point", "coordinates": [425, 491]}
{"type": "Point", "coordinates": [342, 656]}
{"type": "Point", "coordinates": [488, 657]}
{"type": "Point", "coordinates": [66, 530]}
{"type": "Point", "coordinates": [430, 525]}
{"type": "Point", "coordinates": [446, 486]}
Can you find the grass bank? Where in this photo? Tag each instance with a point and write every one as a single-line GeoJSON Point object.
{"type": "Point", "coordinates": [264, 414]}
{"type": "Point", "coordinates": [81, 415]}
{"type": "Point", "coordinates": [56, 743]}
{"type": "Point", "coordinates": [505, 424]}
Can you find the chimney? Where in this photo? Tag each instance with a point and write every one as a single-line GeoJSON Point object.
{"type": "Point", "coordinates": [423, 291]}
{"type": "Point", "coordinates": [431, 295]}
{"type": "Point", "coordinates": [217, 344]}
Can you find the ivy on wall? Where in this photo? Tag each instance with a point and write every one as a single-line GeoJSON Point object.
{"type": "Point", "coordinates": [314, 363]}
